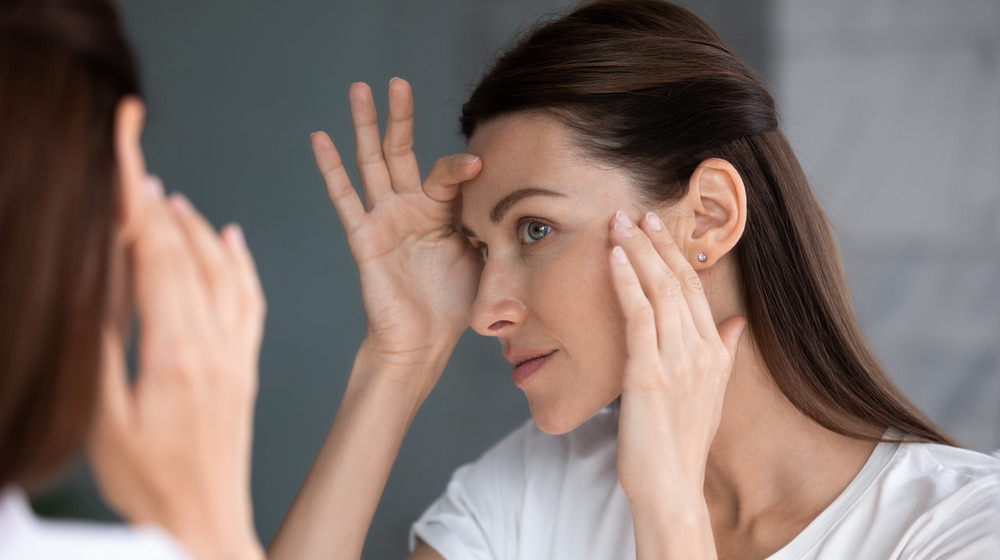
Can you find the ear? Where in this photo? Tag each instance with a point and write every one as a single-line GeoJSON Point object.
{"type": "Point", "coordinates": [717, 202]}
{"type": "Point", "coordinates": [130, 163]}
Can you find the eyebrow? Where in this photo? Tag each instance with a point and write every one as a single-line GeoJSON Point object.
{"type": "Point", "coordinates": [507, 202]}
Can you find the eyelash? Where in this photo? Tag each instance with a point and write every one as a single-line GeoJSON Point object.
{"type": "Point", "coordinates": [521, 230]}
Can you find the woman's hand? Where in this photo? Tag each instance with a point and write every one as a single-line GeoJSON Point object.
{"type": "Point", "coordinates": [418, 274]}
{"type": "Point", "coordinates": [418, 279]}
{"type": "Point", "coordinates": [173, 448]}
{"type": "Point", "coordinates": [679, 363]}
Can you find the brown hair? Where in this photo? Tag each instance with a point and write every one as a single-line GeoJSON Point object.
{"type": "Point", "coordinates": [64, 66]}
{"type": "Point", "coordinates": [648, 87]}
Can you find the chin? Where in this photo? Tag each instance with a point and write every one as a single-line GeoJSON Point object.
{"type": "Point", "coordinates": [556, 420]}
{"type": "Point", "coordinates": [554, 428]}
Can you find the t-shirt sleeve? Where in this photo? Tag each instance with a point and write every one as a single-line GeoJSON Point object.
{"type": "Point", "coordinates": [476, 518]}
{"type": "Point", "coordinates": [965, 526]}
{"type": "Point", "coordinates": [92, 541]}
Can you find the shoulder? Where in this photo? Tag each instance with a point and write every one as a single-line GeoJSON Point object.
{"type": "Point", "coordinates": [943, 467]}
{"type": "Point", "coordinates": [911, 501]}
{"type": "Point", "coordinates": [528, 472]}
{"type": "Point", "coordinates": [955, 496]}
{"type": "Point", "coordinates": [27, 537]}
{"type": "Point", "coordinates": [932, 476]}
{"type": "Point", "coordinates": [472, 518]}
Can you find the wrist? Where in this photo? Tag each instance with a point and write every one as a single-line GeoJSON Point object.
{"type": "Point", "coordinates": [209, 541]}
{"type": "Point", "coordinates": [249, 549]}
{"type": "Point", "coordinates": [414, 371]}
{"type": "Point", "coordinates": [216, 524]}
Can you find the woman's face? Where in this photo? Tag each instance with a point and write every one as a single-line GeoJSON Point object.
{"type": "Point", "coordinates": [540, 212]}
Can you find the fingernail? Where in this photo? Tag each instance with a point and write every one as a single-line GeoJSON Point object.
{"type": "Point", "coordinates": [180, 203]}
{"type": "Point", "coordinates": [393, 79]}
{"type": "Point", "coordinates": [654, 221]}
{"type": "Point", "coordinates": [623, 219]}
{"type": "Point", "coordinates": [618, 254]}
{"type": "Point", "coordinates": [234, 235]}
{"type": "Point", "coordinates": [311, 134]}
{"type": "Point", "coordinates": [154, 187]}
{"type": "Point", "coordinates": [469, 158]}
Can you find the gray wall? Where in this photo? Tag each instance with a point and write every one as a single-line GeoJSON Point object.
{"type": "Point", "coordinates": [894, 109]}
{"type": "Point", "coordinates": [235, 88]}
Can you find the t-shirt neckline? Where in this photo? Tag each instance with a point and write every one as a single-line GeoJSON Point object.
{"type": "Point", "coordinates": [814, 533]}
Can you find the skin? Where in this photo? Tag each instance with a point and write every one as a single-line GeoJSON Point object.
{"type": "Point", "coordinates": [714, 460]}
{"type": "Point", "coordinates": [401, 235]}
{"type": "Point", "coordinates": [526, 283]}
{"type": "Point", "coordinates": [173, 448]}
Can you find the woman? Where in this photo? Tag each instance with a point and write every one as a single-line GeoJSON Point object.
{"type": "Point", "coordinates": [87, 239]}
{"type": "Point", "coordinates": [637, 232]}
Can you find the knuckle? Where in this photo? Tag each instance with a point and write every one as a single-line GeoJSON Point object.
{"type": "Point", "coordinates": [666, 241]}
{"type": "Point", "coordinates": [691, 281]}
{"type": "Point", "coordinates": [668, 288]}
{"type": "Point", "coordinates": [213, 267]}
{"type": "Point", "coordinates": [399, 149]}
{"type": "Point", "coordinates": [632, 284]}
{"type": "Point", "coordinates": [642, 314]}
{"type": "Point", "coordinates": [373, 157]}
{"type": "Point", "coordinates": [182, 361]}
{"type": "Point", "coordinates": [442, 170]}
{"type": "Point", "coordinates": [702, 360]}
{"type": "Point", "coordinates": [650, 379]}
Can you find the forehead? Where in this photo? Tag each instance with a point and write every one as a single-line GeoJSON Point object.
{"type": "Point", "coordinates": [528, 151]}
{"type": "Point", "coordinates": [524, 134]}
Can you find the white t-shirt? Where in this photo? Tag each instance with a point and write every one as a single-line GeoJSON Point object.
{"type": "Point", "coordinates": [23, 536]}
{"type": "Point", "coordinates": [535, 496]}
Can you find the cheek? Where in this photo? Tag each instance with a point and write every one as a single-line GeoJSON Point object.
{"type": "Point", "coordinates": [591, 309]}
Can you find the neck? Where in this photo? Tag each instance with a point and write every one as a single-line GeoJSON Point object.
{"type": "Point", "coordinates": [770, 461]}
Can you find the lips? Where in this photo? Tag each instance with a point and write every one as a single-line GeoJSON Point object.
{"type": "Point", "coordinates": [526, 364]}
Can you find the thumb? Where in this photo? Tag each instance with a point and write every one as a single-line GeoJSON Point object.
{"type": "Point", "coordinates": [730, 332]}
{"type": "Point", "coordinates": [449, 173]}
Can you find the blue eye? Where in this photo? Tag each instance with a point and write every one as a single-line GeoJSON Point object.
{"type": "Point", "coordinates": [483, 251]}
{"type": "Point", "coordinates": [533, 231]}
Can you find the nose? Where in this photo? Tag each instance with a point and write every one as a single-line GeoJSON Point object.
{"type": "Point", "coordinates": [497, 308]}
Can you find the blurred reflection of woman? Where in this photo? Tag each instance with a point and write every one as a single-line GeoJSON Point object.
{"type": "Point", "coordinates": [86, 240]}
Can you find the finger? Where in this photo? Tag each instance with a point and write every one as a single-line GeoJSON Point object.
{"type": "Point", "coordinates": [346, 202]}
{"type": "Point", "coordinates": [449, 173]}
{"type": "Point", "coordinates": [170, 296]}
{"type": "Point", "coordinates": [398, 146]}
{"type": "Point", "coordinates": [375, 180]}
{"type": "Point", "coordinates": [640, 324]}
{"type": "Point", "coordinates": [673, 320]}
{"type": "Point", "coordinates": [208, 255]}
{"type": "Point", "coordinates": [690, 283]}
{"type": "Point", "coordinates": [253, 304]}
